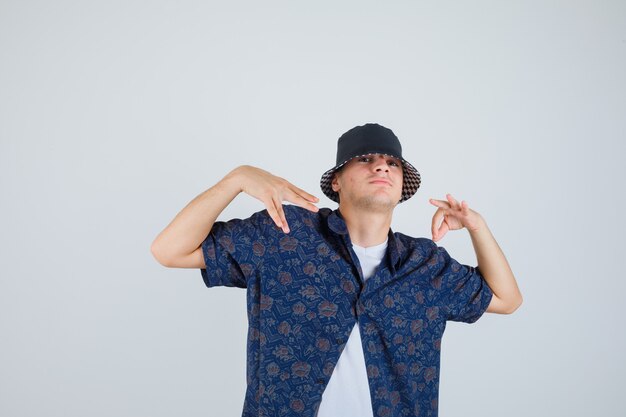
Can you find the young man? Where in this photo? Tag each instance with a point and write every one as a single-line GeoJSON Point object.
{"type": "Point", "coordinates": [346, 317]}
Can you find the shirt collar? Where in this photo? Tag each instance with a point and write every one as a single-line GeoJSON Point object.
{"type": "Point", "coordinates": [337, 224]}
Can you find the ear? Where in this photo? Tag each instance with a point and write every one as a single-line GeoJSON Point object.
{"type": "Point", "coordinates": [334, 183]}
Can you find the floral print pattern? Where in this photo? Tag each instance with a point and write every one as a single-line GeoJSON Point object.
{"type": "Point", "coordinates": [305, 292]}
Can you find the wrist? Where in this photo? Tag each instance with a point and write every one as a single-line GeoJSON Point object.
{"type": "Point", "coordinates": [479, 225]}
{"type": "Point", "coordinates": [232, 180]}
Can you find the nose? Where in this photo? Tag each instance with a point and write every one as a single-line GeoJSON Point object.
{"type": "Point", "coordinates": [381, 164]}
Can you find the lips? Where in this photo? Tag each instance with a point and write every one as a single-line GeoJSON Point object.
{"type": "Point", "coordinates": [380, 181]}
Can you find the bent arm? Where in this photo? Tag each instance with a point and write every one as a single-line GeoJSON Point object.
{"type": "Point", "coordinates": [178, 245]}
{"type": "Point", "coordinates": [496, 271]}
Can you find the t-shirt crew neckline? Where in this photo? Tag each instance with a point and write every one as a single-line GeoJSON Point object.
{"type": "Point", "coordinates": [375, 251]}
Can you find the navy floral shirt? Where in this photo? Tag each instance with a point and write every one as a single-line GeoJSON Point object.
{"type": "Point", "coordinates": [305, 292]}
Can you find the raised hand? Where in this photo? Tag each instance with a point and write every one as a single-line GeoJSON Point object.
{"type": "Point", "coordinates": [455, 216]}
{"type": "Point", "coordinates": [272, 191]}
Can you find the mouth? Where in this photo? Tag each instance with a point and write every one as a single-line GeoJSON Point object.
{"type": "Point", "coordinates": [383, 182]}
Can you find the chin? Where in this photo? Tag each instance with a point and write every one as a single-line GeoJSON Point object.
{"type": "Point", "coordinates": [377, 204]}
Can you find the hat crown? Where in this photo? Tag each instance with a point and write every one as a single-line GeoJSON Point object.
{"type": "Point", "coordinates": [365, 139]}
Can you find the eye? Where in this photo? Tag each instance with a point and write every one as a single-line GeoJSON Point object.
{"type": "Point", "coordinates": [364, 159]}
{"type": "Point", "coordinates": [394, 163]}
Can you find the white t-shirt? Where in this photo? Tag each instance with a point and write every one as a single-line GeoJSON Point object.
{"type": "Point", "coordinates": [347, 393]}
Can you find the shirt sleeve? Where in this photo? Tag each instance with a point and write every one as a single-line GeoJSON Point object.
{"type": "Point", "coordinates": [232, 250]}
{"type": "Point", "coordinates": [465, 292]}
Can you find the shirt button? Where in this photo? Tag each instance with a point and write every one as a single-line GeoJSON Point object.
{"type": "Point", "coordinates": [321, 381]}
{"type": "Point", "coordinates": [339, 341]}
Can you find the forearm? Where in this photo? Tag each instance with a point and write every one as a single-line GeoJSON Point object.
{"type": "Point", "coordinates": [494, 266]}
{"type": "Point", "coordinates": [193, 223]}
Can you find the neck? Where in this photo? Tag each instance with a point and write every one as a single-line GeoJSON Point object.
{"type": "Point", "coordinates": [366, 228]}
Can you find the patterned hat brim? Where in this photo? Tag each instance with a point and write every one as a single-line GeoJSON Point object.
{"type": "Point", "coordinates": [410, 182]}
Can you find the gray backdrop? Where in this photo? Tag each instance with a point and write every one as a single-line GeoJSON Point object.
{"type": "Point", "coordinates": [115, 114]}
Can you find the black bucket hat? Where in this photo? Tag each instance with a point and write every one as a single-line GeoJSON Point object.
{"type": "Point", "coordinates": [368, 139]}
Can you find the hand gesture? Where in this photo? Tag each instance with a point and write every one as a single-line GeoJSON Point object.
{"type": "Point", "coordinates": [455, 216]}
{"type": "Point", "coordinates": [272, 191]}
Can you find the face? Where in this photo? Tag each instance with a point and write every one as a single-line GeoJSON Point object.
{"type": "Point", "coordinates": [372, 182]}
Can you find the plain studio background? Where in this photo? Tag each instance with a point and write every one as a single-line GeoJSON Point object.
{"type": "Point", "coordinates": [114, 115]}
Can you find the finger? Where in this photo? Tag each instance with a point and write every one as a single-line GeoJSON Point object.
{"type": "Point", "coordinates": [465, 207]}
{"type": "Point", "coordinates": [439, 203]}
{"type": "Point", "coordinates": [443, 229]}
{"type": "Point", "coordinates": [304, 194]}
{"type": "Point", "coordinates": [301, 201]}
{"type": "Point", "coordinates": [271, 210]}
{"type": "Point", "coordinates": [437, 217]}
{"type": "Point", "coordinates": [452, 200]}
{"type": "Point", "coordinates": [281, 213]}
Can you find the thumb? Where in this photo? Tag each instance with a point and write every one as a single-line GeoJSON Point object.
{"type": "Point", "coordinates": [441, 232]}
